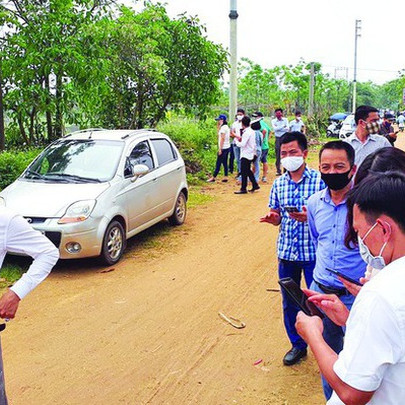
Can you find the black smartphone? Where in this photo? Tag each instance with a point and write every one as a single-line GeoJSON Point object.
{"type": "Point", "coordinates": [291, 208]}
{"type": "Point", "coordinates": [351, 280]}
{"type": "Point", "coordinates": [297, 295]}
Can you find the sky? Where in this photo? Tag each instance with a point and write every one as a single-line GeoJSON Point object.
{"type": "Point", "coordinates": [275, 33]}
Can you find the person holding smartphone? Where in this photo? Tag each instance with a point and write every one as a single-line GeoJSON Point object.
{"type": "Point", "coordinates": [370, 369]}
{"type": "Point", "coordinates": [327, 212]}
{"type": "Point", "coordinates": [387, 129]}
{"type": "Point", "coordinates": [295, 250]}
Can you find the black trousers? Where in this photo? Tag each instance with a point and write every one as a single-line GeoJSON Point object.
{"type": "Point", "coordinates": [222, 160]}
{"type": "Point", "coordinates": [245, 168]}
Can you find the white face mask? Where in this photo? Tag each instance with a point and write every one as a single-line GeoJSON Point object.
{"type": "Point", "coordinates": [377, 262]}
{"type": "Point", "coordinates": [239, 117]}
{"type": "Point", "coordinates": [292, 163]}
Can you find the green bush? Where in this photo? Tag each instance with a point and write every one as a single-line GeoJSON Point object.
{"type": "Point", "coordinates": [12, 164]}
{"type": "Point", "coordinates": [197, 143]}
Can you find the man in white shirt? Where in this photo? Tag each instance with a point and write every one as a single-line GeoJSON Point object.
{"type": "Point", "coordinates": [17, 236]}
{"type": "Point", "coordinates": [280, 127]}
{"type": "Point", "coordinates": [297, 125]}
{"type": "Point", "coordinates": [236, 129]}
{"type": "Point", "coordinates": [365, 139]}
{"type": "Point", "coordinates": [371, 367]}
{"type": "Point", "coordinates": [247, 144]}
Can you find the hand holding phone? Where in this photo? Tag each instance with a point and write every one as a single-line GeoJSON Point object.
{"type": "Point", "coordinates": [298, 296]}
{"type": "Point", "coordinates": [347, 278]}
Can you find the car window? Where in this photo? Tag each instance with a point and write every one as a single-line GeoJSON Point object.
{"type": "Point", "coordinates": [164, 151]}
{"type": "Point", "coordinates": [141, 155]}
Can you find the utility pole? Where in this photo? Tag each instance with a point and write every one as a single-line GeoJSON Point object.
{"type": "Point", "coordinates": [311, 91]}
{"type": "Point", "coordinates": [233, 81]}
{"type": "Point", "coordinates": [356, 35]}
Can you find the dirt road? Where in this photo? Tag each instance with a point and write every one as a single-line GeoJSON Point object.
{"type": "Point", "coordinates": [148, 332]}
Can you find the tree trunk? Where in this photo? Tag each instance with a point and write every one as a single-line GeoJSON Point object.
{"type": "Point", "coordinates": [22, 129]}
{"type": "Point", "coordinates": [58, 114]}
{"type": "Point", "coordinates": [49, 128]}
{"type": "Point", "coordinates": [2, 133]}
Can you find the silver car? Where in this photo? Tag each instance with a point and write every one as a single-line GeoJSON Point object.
{"type": "Point", "coordinates": [91, 190]}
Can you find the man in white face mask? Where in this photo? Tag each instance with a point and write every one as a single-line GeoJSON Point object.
{"type": "Point", "coordinates": [371, 367]}
{"type": "Point", "coordinates": [295, 250]}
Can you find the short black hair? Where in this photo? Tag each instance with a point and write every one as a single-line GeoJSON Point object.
{"type": "Point", "coordinates": [381, 194]}
{"type": "Point", "coordinates": [380, 161]}
{"type": "Point", "coordinates": [278, 109]}
{"type": "Point", "coordinates": [295, 136]}
{"type": "Point", "coordinates": [298, 113]}
{"type": "Point", "coordinates": [339, 145]}
{"type": "Point", "coordinates": [240, 110]}
{"type": "Point", "coordinates": [255, 125]}
{"type": "Point", "coordinates": [246, 121]}
{"type": "Point", "coordinates": [362, 112]}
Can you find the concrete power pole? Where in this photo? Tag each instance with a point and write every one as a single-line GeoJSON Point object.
{"type": "Point", "coordinates": [233, 81]}
{"type": "Point", "coordinates": [356, 35]}
{"type": "Point", "coordinates": [311, 91]}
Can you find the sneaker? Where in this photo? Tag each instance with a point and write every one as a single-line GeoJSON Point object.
{"type": "Point", "coordinates": [240, 192]}
{"type": "Point", "coordinates": [264, 179]}
{"type": "Point", "coordinates": [253, 189]}
{"type": "Point", "coordinates": [278, 174]}
{"type": "Point", "coordinates": [211, 180]}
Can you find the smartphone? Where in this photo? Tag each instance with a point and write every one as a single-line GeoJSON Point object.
{"type": "Point", "coordinates": [351, 280]}
{"type": "Point", "coordinates": [289, 208]}
{"type": "Point", "coordinates": [297, 295]}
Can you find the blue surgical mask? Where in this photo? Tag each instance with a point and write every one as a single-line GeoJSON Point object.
{"type": "Point", "coordinates": [377, 262]}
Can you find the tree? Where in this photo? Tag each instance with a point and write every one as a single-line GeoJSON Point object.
{"type": "Point", "coordinates": [50, 63]}
{"type": "Point", "coordinates": [156, 64]}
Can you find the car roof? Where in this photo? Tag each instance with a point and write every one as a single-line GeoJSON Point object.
{"type": "Point", "coordinates": [111, 134]}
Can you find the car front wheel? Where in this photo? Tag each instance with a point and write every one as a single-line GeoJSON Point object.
{"type": "Point", "coordinates": [113, 243]}
{"type": "Point", "coordinates": [180, 211]}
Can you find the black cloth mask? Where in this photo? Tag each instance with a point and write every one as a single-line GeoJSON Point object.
{"type": "Point", "coordinates": [336, 181]}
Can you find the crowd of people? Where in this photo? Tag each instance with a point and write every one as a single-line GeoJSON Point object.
{"type": "Point", "coordinates": [246, 142]}
{"type": "Point", "coordinates": [345, 221]}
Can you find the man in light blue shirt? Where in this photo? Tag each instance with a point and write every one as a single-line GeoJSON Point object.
{"type": "Point", "coordinates": [327, 212]}
{"type": "Point", "coordinates": [365, 140]}
{"type": "Point", "coordinates": [280, 127]}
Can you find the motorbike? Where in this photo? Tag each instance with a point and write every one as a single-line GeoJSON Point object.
{"type": "Point", "coordinates": [333, 129]}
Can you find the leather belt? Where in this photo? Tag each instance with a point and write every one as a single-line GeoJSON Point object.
{"type": "Point", "coordinates": [330, 290]}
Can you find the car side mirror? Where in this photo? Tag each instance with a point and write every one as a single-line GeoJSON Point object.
{"type": "Point", "coordinates": [139, 170]}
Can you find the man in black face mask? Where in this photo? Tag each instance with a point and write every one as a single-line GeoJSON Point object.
{"type": "Point", "coordinates": [327, 213]}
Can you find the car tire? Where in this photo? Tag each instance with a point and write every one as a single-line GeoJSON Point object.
{"type": "Point", "coordinates": [180, 211]}
{"type": "Point", "coordinates": [113, 243]}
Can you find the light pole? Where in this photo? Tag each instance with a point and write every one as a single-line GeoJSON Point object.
{"type": "Point", "coordinates": [356, 36]}
{"type": "Point", "coordinates": [233, 81]}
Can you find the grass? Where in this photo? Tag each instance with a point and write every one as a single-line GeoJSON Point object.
{"type": "Point", "coordinates": [10, 273]}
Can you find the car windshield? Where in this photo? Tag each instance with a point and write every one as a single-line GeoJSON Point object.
{"type": "Point", "coordinates": [77, 161]}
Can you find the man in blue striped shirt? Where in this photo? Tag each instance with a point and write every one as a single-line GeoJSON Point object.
{"type": "Point", "coordinates": [295, 250]}
{"type": "Point", "coordinates": [327, 212]}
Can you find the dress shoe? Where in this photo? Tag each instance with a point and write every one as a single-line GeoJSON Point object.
{"type": "Point", "coordinates": [253, 189]}
{"type": "Point", "coordinates": [294, 356]}
{"type": "Point", "coordinates": [240, 192]}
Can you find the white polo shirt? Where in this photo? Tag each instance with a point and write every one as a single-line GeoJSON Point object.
{"type": "Point", "coordinates": [373, 356]}
{"type": "Point", "coordinates": [16, 235]}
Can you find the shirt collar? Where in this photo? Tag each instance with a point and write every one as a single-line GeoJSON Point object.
{"type": "Point", "coordinates": [306, 173]}
{"type": "Point", "coordinates": [327, 198]}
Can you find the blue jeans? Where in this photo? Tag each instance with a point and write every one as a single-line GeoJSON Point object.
{"type": "Point", "coordinates": [333, 334]}
{"type": "Point", "coordinates": [222, 160]}
{"type": "Point", "coordinates": [236, 152]}
{"type": "Point", "coordinates": [294, 270]}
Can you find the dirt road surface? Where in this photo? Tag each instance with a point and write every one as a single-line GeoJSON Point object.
{"type": "Point", "coordinates": [148, 332]}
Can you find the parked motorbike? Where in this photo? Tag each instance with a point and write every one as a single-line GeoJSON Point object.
{"type": "Point", "coordinates": [333, 129]}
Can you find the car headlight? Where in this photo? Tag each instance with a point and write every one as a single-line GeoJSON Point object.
{"type": "Point", "coordinates": [78, 212]}
{"type": "Point", "coordinates": [2, 202]}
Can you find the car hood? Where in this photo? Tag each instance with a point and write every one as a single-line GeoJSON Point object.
{"type": "Point", "coordinates": [50, 200]}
